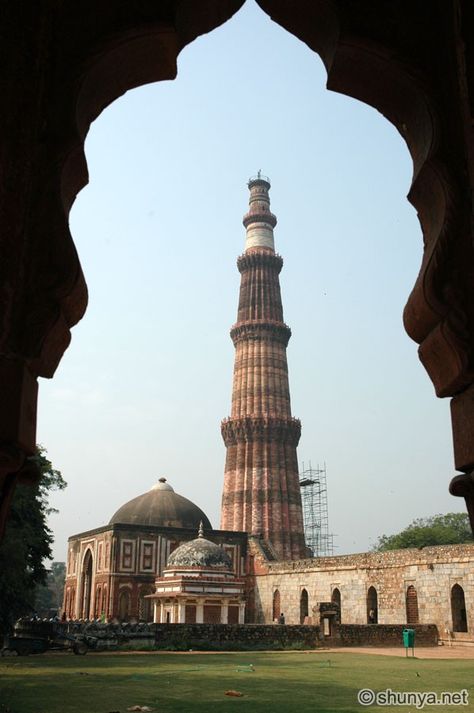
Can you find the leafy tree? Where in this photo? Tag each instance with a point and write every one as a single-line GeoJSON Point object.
{"type": "Point", "coordinates": [50, 595]}
{"type": "Point", "coordinates": [450, 529]}
{"type": "Point", "coordinates": [27, 543]}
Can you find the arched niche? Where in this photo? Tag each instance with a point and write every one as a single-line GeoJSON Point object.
{"type": "Point", "coordinates": [411, 605]}
{"type": "Point", "coordinates": [124, 604]}
{"type": "Point", "coordinates": [336, 599]}
{"type": "Point", "coordinates": [87, 574]}
{"type": "Point", "coordinates": [304, 605]}
{"type": "Point", "coordinates": [276, 605]}
{"type": "Point", "coordinates": [458, 609]}
{"type": "Point", "coordinates": [372, 606]}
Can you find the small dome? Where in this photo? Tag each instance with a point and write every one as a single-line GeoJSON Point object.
{"type": "Point", "coordinates": [199, 553]}
{"type": "Point", "coordinates": [161, 507]}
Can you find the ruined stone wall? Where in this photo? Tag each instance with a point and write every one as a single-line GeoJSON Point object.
{"type": "Point", "coordinates": [183, 637]}
{"type": "Point", "coordinates": [432, 571]}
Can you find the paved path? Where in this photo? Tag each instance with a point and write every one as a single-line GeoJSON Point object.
{"type": "Point", "coordinates": [421, 652]}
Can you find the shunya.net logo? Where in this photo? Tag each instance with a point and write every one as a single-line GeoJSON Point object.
{"type": "Point", "coordinates": [419, 699]}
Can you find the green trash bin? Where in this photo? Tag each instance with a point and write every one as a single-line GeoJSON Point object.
{"type": "Point", "coordinates": [409, 640]}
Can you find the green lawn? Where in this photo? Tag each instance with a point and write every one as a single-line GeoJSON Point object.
{"type": "Point", "coordinates": [168, 683]}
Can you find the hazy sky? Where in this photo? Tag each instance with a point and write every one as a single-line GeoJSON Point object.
{"type": "Point", "coordinates": [147, 379]}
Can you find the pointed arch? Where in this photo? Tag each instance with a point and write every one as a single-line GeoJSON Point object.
{"type": "Point", "coordinates": [411, 604]}
{"type": "Point", "coordinates": [304, 605]}
{"type": "Point", "coordinates": [276, 605]}
{"type": "Point", "coordinates": [145, 606]}
{"type": "Point", "coordinates": [87, 574]}
{"type": "Point", "coordinates": [336, 599]}
{"type": "Point", "coordinates": [124, 604]}
{"type": "Point", "coordinates": [458, 609]}
{"type": "Point", "coordinates": [372, 606]}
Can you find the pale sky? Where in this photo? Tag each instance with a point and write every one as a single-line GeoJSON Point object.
{"type": "Point", "coordinates": [142, 389]}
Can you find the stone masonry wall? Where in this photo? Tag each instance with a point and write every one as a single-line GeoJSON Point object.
{"type": "Point", "coordinates": [226, 637]}
{"type": "Point", "coordinates": [180, 637]}
{"type": "Point", "coordinates": [382, 635]}
{"type": "Point", "coordinates": [432, 571]}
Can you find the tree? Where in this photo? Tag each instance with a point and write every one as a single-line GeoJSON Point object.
{"type": "Point", "coordinates": [50, 595]}
{"type": "Point", "coordinates": [450, 529]}
{"type": "Point", "coordinates": [27, 543]}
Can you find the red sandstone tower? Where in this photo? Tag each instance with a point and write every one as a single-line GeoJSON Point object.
{"type": "Point", "coordinates": [261, 487]}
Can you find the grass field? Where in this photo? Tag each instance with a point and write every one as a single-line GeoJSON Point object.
{"type": "Point", "coordinates": [168, 683]}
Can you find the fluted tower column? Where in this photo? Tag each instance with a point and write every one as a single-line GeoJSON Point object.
{"type": "Point", "coordinates": [261, 487]}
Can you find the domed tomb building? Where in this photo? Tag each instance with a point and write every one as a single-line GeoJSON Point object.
{"type": "Point", "coordinates": [199, 586]}
{"type": "Point", "coordinates": [112, 569]}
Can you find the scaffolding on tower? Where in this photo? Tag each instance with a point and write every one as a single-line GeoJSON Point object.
{"type": "Point", "coordinates": [314, 497]}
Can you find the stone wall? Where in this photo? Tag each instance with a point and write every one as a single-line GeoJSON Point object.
{"type": "Point", "coordinates": [382, 635]}
{"type": "Point", "coordinates": [225, 637]}
{"type": "Point", "coordinates": [432, 571]}
{"type": "Point", "coordinates": [181, 637]}
{"type": "Point", "coordinates": [228, 637]}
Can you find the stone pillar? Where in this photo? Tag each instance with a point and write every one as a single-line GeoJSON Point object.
{"type": "Point", "coordinates": [200, 611]}
{"type": "Point", "coordinates": [77, 599]}
{"type": "Point", "coordinates": [224, 612]}
{"type": "Point", "coordinates": [181, 611]}
{"type": "Point", "coordinates": [261, 486]}
{"type": "Point", "coordinates": [242, 613]}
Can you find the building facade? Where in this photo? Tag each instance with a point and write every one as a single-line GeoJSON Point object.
{"type": "Point", "coordinates": [111, 570]}
{"type": "Point", "coordinates": [431, 585]}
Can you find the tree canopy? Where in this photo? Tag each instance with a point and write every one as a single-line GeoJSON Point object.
{"type": "Point", "coordinates": [450, 529]}
{"type": "Point", "coordinates": [27, 543]}
{"type": "Point", "coordinates": [49, 596]}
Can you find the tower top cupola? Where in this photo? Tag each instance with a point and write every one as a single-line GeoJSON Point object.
{"type": "Point", "coordinates": [259, 221]}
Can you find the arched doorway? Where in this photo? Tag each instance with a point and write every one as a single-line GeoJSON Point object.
{"type": "Point", "coordinates": [145, 607]}
{"type": "Point", "coordinates": [372, 606]}
{"type": "Point", "coordinates": [98, 601]}
{"type": "Point", "coordinates": [458, 609]}
{"type": "Point", "coordinates": [336, 599]}
{"type": "Point", "coordinates": [86, 590]}
{"type": "Point", "coordinates": [276, 607]}
{"type": "Point", "coordinates": [411, 602]}
{"type": "Point", "coordinates": [124, 605]}
{"type": "Point", "coordinates": [303, 605]}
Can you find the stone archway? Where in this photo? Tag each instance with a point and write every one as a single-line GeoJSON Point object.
{"type": "Point", "coordinates": [336, 598]}
{"type": "Point", "coordinates": [124, 604]}
{"type": "Point", "coordinates": [374, 52]}
{"type": "Point", "coordinates": [87, 574]}
{"type": "Point", "coordinates": [304, 605]}
{"type": "Point", "coordinates": [372, 606]}
{"type": "Point", "coordinates": [276, 605]}
{"type": "Point", "coordinates": [411, 603]}
{"type": "Point", "coordinates": [458, 609]}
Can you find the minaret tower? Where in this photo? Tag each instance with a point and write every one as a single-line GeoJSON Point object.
{"type": "Point", "coordinates": [261, 486]}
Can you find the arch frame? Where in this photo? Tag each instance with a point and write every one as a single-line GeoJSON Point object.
{"type": "Point", "coordinates": [86, 600]}
{"type": "Point", "coordinates": [86, 57]}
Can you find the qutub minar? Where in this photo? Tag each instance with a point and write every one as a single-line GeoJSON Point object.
{"type": "Point", "coordinates": [261, 487]}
